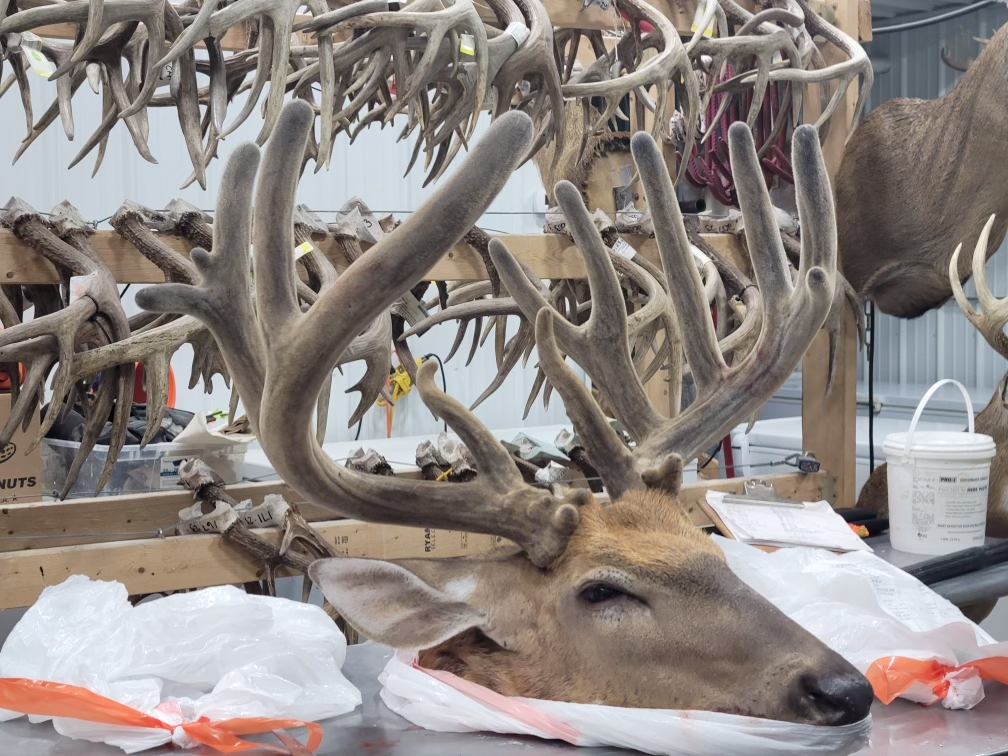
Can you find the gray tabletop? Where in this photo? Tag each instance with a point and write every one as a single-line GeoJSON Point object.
{"type": "Point", "coordinates": [900, 729]}
{"type": "Point", "coordinates": [988, 583]}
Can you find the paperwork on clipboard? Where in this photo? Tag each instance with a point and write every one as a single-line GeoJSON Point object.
{"type": "Point", "coordinates": [762, 524]}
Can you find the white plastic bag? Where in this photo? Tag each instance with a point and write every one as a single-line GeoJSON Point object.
{"type": "Point", "coordinates": [446, 703]}
{"type": "Point", "coordinates": [871, 613]}
{"type": "Point", "coordinates": [868, 611]}
{"type": "Point", "coordinates": [217, 653]}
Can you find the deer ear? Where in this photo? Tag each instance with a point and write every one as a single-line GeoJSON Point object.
{"type": "Point", "coordinates": [389, 604]}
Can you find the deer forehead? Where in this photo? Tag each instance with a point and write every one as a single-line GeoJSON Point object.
{"type": "Point", "coordinates": [646, 533]}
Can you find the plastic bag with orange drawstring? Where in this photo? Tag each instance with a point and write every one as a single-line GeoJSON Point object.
{"type": "Point", "coordinates": [205, 667]}
{"type": "Point", "coordinates": [907, 640]}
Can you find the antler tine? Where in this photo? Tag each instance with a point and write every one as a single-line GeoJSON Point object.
{"type": "Point", "coordinates": [185, 92]}
{"type": "Point", "coordinates": [697, 329]}
{"type": "Point", "coordinates": [190, 222]}
{"type": "Point", "coordinates": [609, 455]}
{"type": "Point", "coordinates": [792, 313]}
{"type": "Point", "coordinates": [613, 370]}
{"type": "Point", "coordinates": [993, 315]}
{"type": "Point", "coordinates": [280, 382]}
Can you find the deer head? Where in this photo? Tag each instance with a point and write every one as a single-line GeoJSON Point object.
{"type": "Point", "coordinates": [619, 602]}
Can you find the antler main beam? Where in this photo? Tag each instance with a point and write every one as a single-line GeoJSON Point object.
{"type": "Point", "coordinates": [280, 356]}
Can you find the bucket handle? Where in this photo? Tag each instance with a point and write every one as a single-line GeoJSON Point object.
{"type": "Point", "coordinates": [923, 403]}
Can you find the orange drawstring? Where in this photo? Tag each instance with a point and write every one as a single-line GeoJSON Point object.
{"type": "Point", "coordinates": [49, 699]}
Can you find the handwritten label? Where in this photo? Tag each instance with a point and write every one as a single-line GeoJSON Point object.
{"type": "Point", "coordinates": [79, 286]}
{"type": "Point", "coordinates": [621, 248]}
{"type": "Point", "coordinates": [518, 30]}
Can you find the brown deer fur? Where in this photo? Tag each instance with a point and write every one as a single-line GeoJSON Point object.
{"type": "Point", "coordinates": [687, 603]}
{"type": "Point", "coordinates": [917, 178]}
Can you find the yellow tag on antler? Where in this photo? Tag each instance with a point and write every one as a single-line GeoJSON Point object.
{"type": "Point", "coordinates": [39, 63]}
{"type": "Point", "coordinates": [467, 44]}
{"type": "Point", "coordinates": [302, 249]}
{"type": "Point", "coordinates": [698, 17]}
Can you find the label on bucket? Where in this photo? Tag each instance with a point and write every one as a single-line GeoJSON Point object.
{"type": "Point", "coordinates": [169, 474]}
{"type": "Point", "coordinates": [935, 510]}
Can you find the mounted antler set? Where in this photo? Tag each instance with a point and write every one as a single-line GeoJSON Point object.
{"type": "Point", "coordinates": [279, 377]}
{"type": "Point", "coordinates": [436, 61]}
{"type": "Point", "coordinates": [589, 576]}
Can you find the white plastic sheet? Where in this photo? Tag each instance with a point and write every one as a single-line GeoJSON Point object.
{"type": "Point", "coordinates": [217, 653]}
{"type": "Point", "coordinates": [856, 603]}
{"type": "Point", "coordinates": [866, 609]}
{"type": "Point", "coordinates": [440, 701]}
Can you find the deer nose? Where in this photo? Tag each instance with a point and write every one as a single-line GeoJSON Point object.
{"type": "Point", "coordinates": [839, 698]}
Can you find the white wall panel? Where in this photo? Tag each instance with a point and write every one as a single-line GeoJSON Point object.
{"type": "Point", "coordinates": [372, 168]}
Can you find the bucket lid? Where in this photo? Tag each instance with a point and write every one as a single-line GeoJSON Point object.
{"type": "Point", "coordinates": [941, 445]}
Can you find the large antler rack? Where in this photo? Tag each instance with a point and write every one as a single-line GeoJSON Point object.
{"type": "Point", "coordinates": [434, 61]}
{"type": "Point", "coordinates": [275, 374]}
{"type": "Point", "coordinates": [791, 314]}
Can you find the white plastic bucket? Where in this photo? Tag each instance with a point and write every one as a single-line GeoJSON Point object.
{"type": "Point", "coordinates": [938, 484]}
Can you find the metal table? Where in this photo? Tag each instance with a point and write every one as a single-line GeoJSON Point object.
{"type": "Point", "coordinates": [900, 729]}
{"type": "Point", "coordinates": [988, 583]}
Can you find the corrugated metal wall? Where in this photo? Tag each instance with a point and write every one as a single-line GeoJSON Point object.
{"type": "Point", "coordinates": [941, 344]}
{"type": "Point", "coordinates": [372, 168]}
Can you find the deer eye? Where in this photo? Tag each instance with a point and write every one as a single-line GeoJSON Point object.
{"type": "Point", "coordinates": [597, 593]}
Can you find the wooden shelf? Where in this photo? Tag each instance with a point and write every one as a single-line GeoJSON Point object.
{"type": "Point", "coordinates": [548, 255]}
{"type": "Point", "coordinates": [149, 565]}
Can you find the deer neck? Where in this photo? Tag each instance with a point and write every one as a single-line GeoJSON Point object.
{"type": "Point", "coordinates": [972, 130]}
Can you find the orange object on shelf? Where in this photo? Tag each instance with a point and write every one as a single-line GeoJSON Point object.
{"type": "Point", "coordinates": [140, 393]}
{"type": "Point", "coordinates": [5, 384]}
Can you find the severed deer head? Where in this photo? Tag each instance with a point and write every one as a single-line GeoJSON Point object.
{"type": "Point", "coordinates": [618, 602]}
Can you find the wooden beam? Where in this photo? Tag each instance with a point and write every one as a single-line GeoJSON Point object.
{"type": "Point", "coordinates": [46, 524]}
{"type": "Point", "coordinates": [548, 255]}
{"type": "Point", "coordinates": [864, 21]}
{"type": "Point", "coordinates": [108, 519]}
{"type": "Point", "coordinates": [829, 423]}
{"type": "Point", "coordinates": [151, 565]}
{"type": "Point", "coordinates": [197, 561]}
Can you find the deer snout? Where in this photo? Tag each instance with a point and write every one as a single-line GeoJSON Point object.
{"type": "Point", "coordinates": [839, 697]}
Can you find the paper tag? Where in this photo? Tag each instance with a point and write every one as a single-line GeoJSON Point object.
{"type": "Point", "coordinates": [39, 63]}
{"type": "Point", "coordinates": [814, 525]}
{"type": "Point", "coordinates": [519, 31]}
{"type": "Point", "coordinates": [621, 248]}
{"type": "Point", "coordinates": [302, 249]}
{"type": "Point", "coordinates": [467, 44]}
{"type": "Point", "coordinates": [164, 75]}
{"type": "Point", "coordinates": [217, 521]}
{"type": "Point", "coordinates": [258, 517]}
{"type": "Point", "coordinates": [79, 285]}
{"type": "Point", "coordinates": [603, 4]}
{"type": "Point", "coordinates": [698, 18]}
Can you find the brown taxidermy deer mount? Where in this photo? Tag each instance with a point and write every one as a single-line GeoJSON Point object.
{"type": "Point", "coordinates": [616, 602]}
{"type": "Point", "coordinates": [919, 177]}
